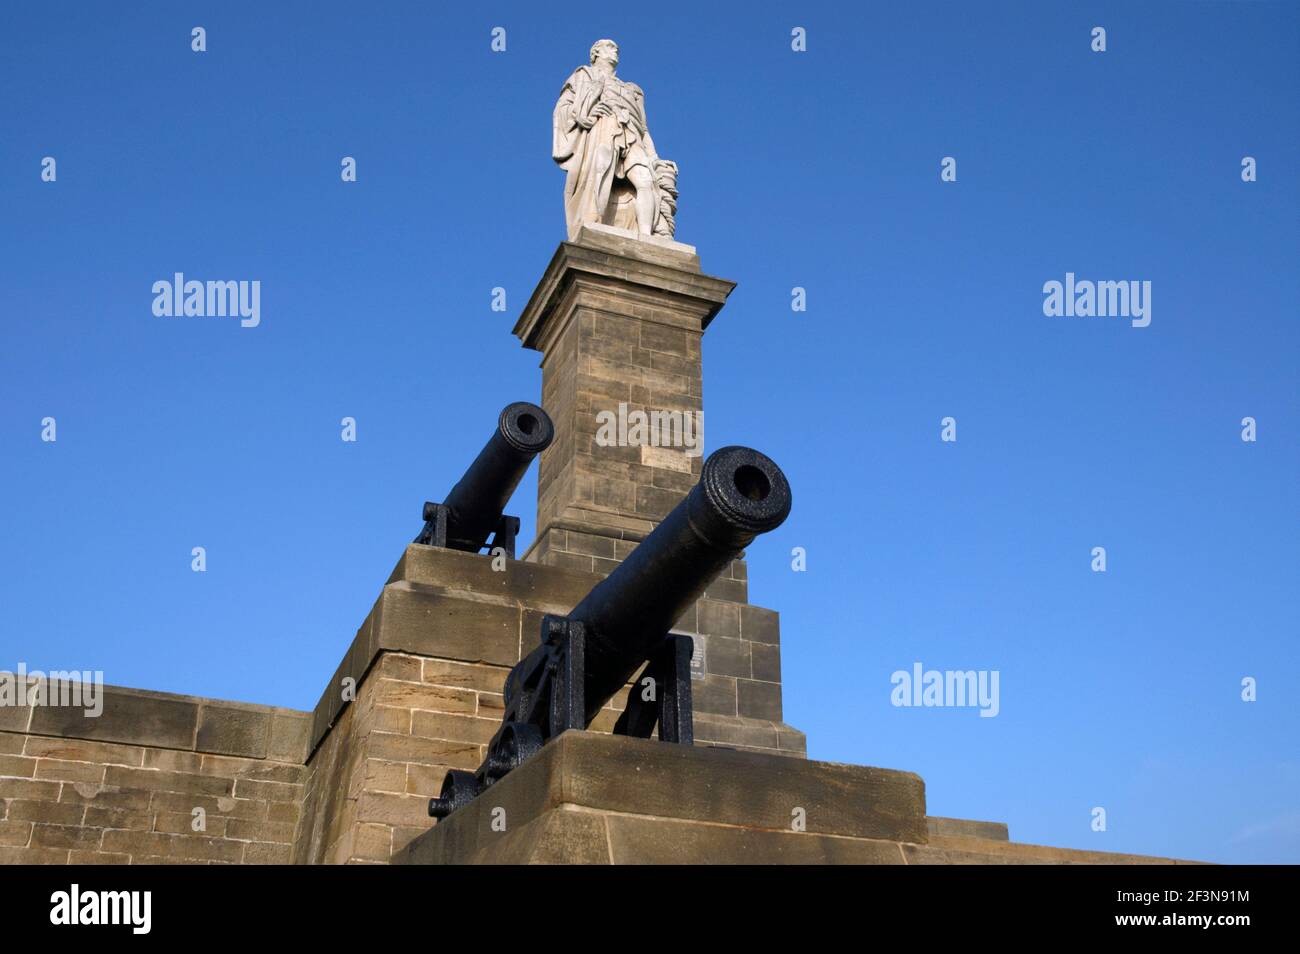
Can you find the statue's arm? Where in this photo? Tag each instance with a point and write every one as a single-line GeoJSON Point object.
{"type": "Point", "coordinates": [564, 118]}
{"type": "Point", "coordinates": [563, 131]}
{"type": "Point", "coordinates": [566, 121]}
{"type": "Point", "coordinates": [577, 100]}
{"type": "Point", "coordinates": [586, 98]}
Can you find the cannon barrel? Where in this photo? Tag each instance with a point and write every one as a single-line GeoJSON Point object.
{"type": "Point", "coordinates": [741, 493]}
{"type": "Point", "coordinates": [477, 502]}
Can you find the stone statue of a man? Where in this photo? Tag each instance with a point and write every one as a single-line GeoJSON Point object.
{"type": "Point", "coordinates": [601, 140]}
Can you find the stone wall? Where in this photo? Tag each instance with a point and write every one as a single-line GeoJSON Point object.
{"type": "Point", "coordinates": [132, 785]}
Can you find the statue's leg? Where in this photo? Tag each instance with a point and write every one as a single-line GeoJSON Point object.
{"type": "Point", "coordinates": [603, 181]}
{"type": "Point", "coordinates": [643, 182]}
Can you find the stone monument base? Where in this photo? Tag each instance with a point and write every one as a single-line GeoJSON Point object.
{"type": "Point", "coordinates": [590, 798]}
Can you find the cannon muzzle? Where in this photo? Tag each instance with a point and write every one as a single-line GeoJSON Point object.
{"type": "Point", "coordinates": [741, 493]}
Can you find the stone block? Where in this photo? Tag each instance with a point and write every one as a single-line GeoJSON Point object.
{"type": "Point", "coordinates": [158, 780]}
{"type": "Point", "coordinates": [482, 678]}
{"type": "Point", "coordinates": [791, 741]}
{"type": "Point", "coordinates": [727, 657]}
{"type": "Point", "coordinates": [77, 857]}
{"type": "Point", "coordinates": [59, 770]}
{"type": "Point", "coordinates": [422, 621]}
{"type": "Point", "coordinates": [103, 797]}
{"type": "Point", "coordinates": [661, 841]}
{"type": "Point", "coordinates": [765, 660]}
{"type": "Point", "coordinates": [290, 735]}
{"type": "Point", "coordinates": [714, 694]}
{"type": "Point", "coordinates": [129, 715]}
{"type": "Point", "coordinates": [29, 789]}
{"type": "Point", "coordinates": [952, 850]}
{"type": "Point", "coordinates": [51, 812]}
{"type": "Point", "coordinates": [17, 766]}
{"type": "Point", "coordinates": [15, 834]}
{"type": "Point", "coordinates": [758, 700]}
{"type": "Point", "coordinates": [15, 718]}
{"type": "Point", "coordinates": [422, 695]}
{"type": "Point", "coordinates": [233, 730]}
{"type": "Point", "coordinates": [96, 817]}
{"type": "Point", "coordinates": [734, 591]}
{"type": "Point", "coordinates": [33, 856]}
{"type": "Point", "coordinates": [717, 618]}
{"type": "Point", "coordinates": [256, 853]}
{"type": "Point", "coordinates": [760, 625]}
{"type": "Point", "coordinates": [82, 750]}
{"type": "Point", "coordinates": [965, 828]}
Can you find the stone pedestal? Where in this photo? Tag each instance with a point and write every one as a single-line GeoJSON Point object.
{"type": "Point", "coordinates": [618, 319]}
{"type": "Point", "coordinates": [599, 799]}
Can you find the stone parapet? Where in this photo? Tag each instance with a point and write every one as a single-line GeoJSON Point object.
{"type": "Point", "coordinates": [153, 778]}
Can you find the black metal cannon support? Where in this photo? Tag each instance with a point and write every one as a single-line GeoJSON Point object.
{"type": "Point", "coordinates": [586, 657]}
{"type": "Point", "coordinates": [434, 534]}
{"type": "Point", "coordinates": [475, 508]}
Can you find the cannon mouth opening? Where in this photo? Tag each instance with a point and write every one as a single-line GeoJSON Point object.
{"type": "Point", "coordinates": [752, 482]}
{"type": "Point", "coordinates": [746, 489]}
{"type": "Point", "coordinates": [526, 427]}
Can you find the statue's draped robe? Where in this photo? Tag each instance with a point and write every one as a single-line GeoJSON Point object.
{"type": "Point", "coordinates": [596, 192]}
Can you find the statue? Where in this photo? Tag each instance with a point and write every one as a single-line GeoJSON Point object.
{"type": "Point", "coordinates": [615, 177]}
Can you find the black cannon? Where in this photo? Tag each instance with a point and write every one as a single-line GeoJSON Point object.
{"type": "Point", "coordinates": [624, 622]}
{"type": "Point", "coordinates": [475, 508]}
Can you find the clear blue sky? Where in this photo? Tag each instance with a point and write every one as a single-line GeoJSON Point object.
{"type": "Point", "coordinates": [820, 169]}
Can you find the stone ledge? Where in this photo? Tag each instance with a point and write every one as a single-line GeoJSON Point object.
{"type": "Point", "coordinates": [965, 828]}
{"type": "Point", "coordinates": [166, 720]}
{"type": "Point", "coordinates": [522, 582]}
{"type": "Point", "coordinates": [542, 587]}
{"type": "Point", "coordinates": [631, 264]}
{"type": "Point", "coordinates": [627, 242]}
{"type": "Point", "coordinates": [719, 788]}
{"type": "Point", "coordinates": [955, 850]}
{"type": "Point", "coordinates": [748, 734]}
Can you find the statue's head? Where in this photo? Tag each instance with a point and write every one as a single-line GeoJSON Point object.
{"type": "Point", "coordinates": [604, 50]}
